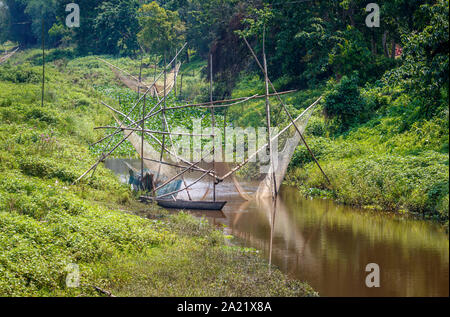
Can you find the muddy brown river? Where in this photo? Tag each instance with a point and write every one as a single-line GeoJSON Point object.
{"type": "Point", "coordinates": [329, 245]}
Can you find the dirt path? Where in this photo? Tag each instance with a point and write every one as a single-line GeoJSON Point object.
{"type": "Point", "coordinates": [133, 84]}
{"type": "Point", "coordinates": [8, 55]}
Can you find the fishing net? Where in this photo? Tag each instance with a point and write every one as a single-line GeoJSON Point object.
{"type": "Point", "coordinates": [248, 175]}
{"type": "Point", "coordinates": [260, 172]}
{"type": "Point", "coordinates": [243, 166]}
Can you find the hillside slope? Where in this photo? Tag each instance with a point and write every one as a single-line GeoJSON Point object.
{"type": "Point", "coordinates": [47, 225]}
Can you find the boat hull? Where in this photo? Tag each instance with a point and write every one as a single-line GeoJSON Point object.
{"type": "Point", "coordinates": [192, 205]}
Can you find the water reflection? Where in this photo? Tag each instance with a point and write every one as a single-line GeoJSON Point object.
{"type": "Point", "coordinates": [329, 245]}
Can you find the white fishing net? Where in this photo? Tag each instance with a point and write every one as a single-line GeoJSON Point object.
{"type": "Point", "coordinates": [250, 173]}
{"type": "Point", "coordinates": [242, 166]}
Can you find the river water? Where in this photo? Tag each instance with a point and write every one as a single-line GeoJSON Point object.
{"type": "Point", "coordinates": [329, 245]}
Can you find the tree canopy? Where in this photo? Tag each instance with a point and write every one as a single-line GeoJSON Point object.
{"type": "Point", "coordinates": [162, 30]}
{"type": "Point", "coordinates": [307, 42]}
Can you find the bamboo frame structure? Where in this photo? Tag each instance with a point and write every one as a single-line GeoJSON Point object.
{"type": "Point", "coordinates": [145, 94]}
{"type": "Point", "coordinates": [264, 69]}
{"type": "Point", "coordinates": [160, 108]}
{"type": "Point", "coordinates": [238, 167]}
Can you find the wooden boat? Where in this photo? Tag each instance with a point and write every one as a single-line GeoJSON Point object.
{"type": "Point", "coordinates": [186, 204]}
{"type": "Point", "coordinates": [191, 205]}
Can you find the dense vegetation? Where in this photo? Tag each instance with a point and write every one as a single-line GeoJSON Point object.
{"type": "Point", "coordinates": [47, 223]}
{"type": "Point", "coordinates": [381, 132]}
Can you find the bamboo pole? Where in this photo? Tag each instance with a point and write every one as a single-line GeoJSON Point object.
{"type": "Point", "coordinates": [213, 122]}
{"type": "Point", "coordinates": [156, 132]}
{"type": "Point", "coordinates": [159, 142]}
{"type": "Point", "coordinates": [242, 99]}
{"type": "Point", "coordinates": [269, 148]}
{"type": "Point", "coordinates": [206, 107]}
{"type": "Point", "coordinates": [163, 123]}
{"type": "Point", "coordinates": [224, 134]}
{"type": "Point", "coordinates": [288, 114]}
{"type": "Point", "coordinates": [43, 63]}
{"type": "Point", "coordinates": [102, 159]}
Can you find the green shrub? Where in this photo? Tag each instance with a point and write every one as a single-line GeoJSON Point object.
{"type": "Point", "coordinates": [42, 114]}
{"type": "Point", "coordinates": [344, 103]}
{"type": "Point", "coordinates": [46, 168]}
{"type": "Point", "coordinates": [20, 74]}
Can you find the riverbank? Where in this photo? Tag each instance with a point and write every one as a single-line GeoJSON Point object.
{"type": "Point", "coordinates": [395, 160]}
{"type": "Point", "coordinates": [50, 228]}
{"type": "Point", "coordinates": [380, 165]}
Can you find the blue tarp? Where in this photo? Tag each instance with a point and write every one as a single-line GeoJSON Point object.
{"type": "Point", "coordinates": [136, 181]}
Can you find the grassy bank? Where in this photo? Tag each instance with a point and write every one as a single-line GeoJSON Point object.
{"type": "Point", "coordinates": [46, 223]}
{"type": "Point", "coordinates": [393, 159]}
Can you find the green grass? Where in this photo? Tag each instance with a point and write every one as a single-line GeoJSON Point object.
{"type": "Point", "coordinates": [46, 223]}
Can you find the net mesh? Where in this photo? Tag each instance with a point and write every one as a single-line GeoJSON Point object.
{"type": "Point", "coordinates": [250, 175]}
{"type": "Point", "coordinates": [248, 178]}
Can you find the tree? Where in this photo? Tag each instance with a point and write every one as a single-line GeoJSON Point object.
{"type": "Point", "coordinates": [4, 21]}
{"type": "Point", "coordinates": [425, 67]}
{"type": "Point", "coordinates": [116, 26]}
{"type": "Point", "coordinates": [345, 103]}
{"type": "Point", "coordinates": [162, 31]}
{"type": "Point", "coordinates": [20, 23]}
{"type": "Point", "coordinates": [106, 27]}
{"type": "Point", "coordinates": [41, 11]}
